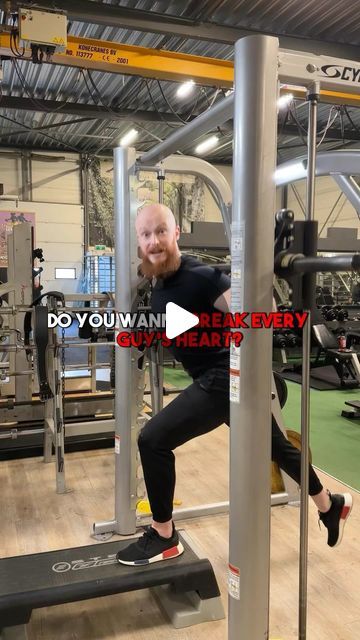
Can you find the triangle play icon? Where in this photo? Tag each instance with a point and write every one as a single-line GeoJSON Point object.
{"type": "Point", "coordinates": [178, 320]}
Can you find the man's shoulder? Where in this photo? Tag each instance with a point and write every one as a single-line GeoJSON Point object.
{"type": "Point", "coordinates": [189, 263]}
{"type": "Point", "coordinates": [201, 270]}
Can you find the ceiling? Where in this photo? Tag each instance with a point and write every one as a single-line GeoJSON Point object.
{"type": "Point", "coordinates": [52, 110]}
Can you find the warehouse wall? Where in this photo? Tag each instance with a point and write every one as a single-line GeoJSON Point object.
{"type": "Point", "coordinates": [57, 181]}
{"type": "Point", "coordinates": [327, 193]}
{"type": "Point", "coordinates": [55, 177]}
{"type": "Point", "coordinates": [56, 203]}
{"type": "Point", "coordinates": [59, 232]}
{"type": "Point", "coordinates": [10, 173]}
{"type": "Point", "coordinates": [326, 196]}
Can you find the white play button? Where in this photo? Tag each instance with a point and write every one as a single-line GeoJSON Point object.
{"type": "Point", "coordinates": [178, 320]}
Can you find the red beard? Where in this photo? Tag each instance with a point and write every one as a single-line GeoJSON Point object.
{"type": "Point", "coordinates": [164, 269]}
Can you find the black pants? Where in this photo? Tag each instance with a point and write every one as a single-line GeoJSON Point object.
{"type": "Point", "coordinates": [200, 408]}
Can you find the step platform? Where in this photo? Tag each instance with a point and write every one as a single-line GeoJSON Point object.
{"type": "Point", "coordinates": [186, 586]}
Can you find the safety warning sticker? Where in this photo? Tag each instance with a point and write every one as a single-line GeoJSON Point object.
{"type": "Point", "coordinates": [234, 582]}
{"type": "Point", "coordinates": [234, 386]}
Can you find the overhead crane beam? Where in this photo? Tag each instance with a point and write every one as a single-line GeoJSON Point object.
{"type": "Point", "coordinates": [114, 57]}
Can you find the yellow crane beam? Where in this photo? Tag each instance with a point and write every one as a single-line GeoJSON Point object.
{"type": "Point", "coordinates": [114, 57]}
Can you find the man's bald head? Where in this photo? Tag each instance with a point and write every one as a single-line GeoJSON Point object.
{"type": "Point", "coordinates": [155, 211]}
{"type": "Point", "coordinates": [158, 233]}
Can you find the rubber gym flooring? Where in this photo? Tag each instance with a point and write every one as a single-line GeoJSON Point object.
{"type": "Point", "coordinates": [334, 440]}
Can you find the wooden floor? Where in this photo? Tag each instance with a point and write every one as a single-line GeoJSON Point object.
{"type": "Point", "coordinates": [34, 518]}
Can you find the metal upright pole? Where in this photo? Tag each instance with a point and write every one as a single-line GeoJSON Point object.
{"type": "Point", "coordinates": [129, 362]}
{"type": "Point", "coordinates": [160, 350]}
{"type": "Point", "coordinates": [125, 516]}
{"type": "Point", "coordinates": [305, 387]}
{"type": "Point", "coordinates": [156, 352]}
{"type": "Point", "coordinates": [252, 267]}
{"type": "Point", "coordinates": [161, 180]}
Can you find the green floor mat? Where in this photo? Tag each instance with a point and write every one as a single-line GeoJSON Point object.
{"type": "Point", "coordinates": [176, 378]}
{"type": "Point", "coordinates": [334, 440]}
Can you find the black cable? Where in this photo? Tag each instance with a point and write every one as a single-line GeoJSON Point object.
{"type": "Point", "coordinates": [159, 113]}
{"type": "Point", "coordinates": [13, 48]}
{"type": "Point", "coordinates": [106, 142]}
{"type": "Point", "coordinates": [191, 113]}
{"type": "Point", "coordinates": [88, 88]}
{"type": "Point", "coordinates": [106, 106]}
{"type": "Point", "coordinates": [46, 135]}
{"type": "Point", "coordinates": [301, 129]}
{"type": "Point", "coordinates": [351, 120]}
{"type": "Point", "coordinates": [13, 33]}
{"type": "Point", "coordinates": [16, 40]}
{"type": "Point", "coordinates": [279, 237]}
{"type": "Point", "coordinates": [185, 119]}
{"type": "Point", "coordinates": [342, 124]}
{"type": "Point", "coordinates": [328, 125]}
{"type": "Point", "coordinates": [284, 122]}
{"type": "Point", "coordinates": [177, 115]}
{"type": "Point", "coordinates": [39, 106]}
{"type": "Point", "coordinates": [211, 102]}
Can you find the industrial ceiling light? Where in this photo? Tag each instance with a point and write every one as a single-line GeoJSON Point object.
{"type": "Point", "coordinates": [285, 100]}
{"type": "Point", "coordinates": [129, 138]}
{"type": "Point", "coordinates": [185, 89]}
{"type": "Point", "coordinates": [290, 172]}
{"type": "Point", "coordinates": [208, 144]}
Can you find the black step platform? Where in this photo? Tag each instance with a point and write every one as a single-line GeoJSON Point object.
{"type": "Point", "coordinates": [69, 575]}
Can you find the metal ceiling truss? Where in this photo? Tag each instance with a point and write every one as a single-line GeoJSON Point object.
{"type": "Point", "coordinates": [86, 110]}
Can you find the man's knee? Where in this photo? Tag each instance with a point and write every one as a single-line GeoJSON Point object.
{"type": "Point", "coordinates": [151, 436]}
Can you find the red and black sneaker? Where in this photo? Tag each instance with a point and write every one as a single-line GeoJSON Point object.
{"type": "Point", "coordinates": [151, 547]}
{"type": "Point", "coordinates": [335, 519]}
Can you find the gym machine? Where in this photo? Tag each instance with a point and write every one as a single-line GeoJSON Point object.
{"type": "Point", "coordinates": [32, 371]}
{"type": "Point", "coordinates": [129, 364]}
{"type": "Point", "coordinates": [258, 67]}
{"type": "Point", "coordinates": [129, 381]}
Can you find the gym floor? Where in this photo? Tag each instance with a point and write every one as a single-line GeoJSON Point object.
{"type": "Point", "coordinates": [35, 519]}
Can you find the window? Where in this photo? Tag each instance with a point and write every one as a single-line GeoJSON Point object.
{"type": "Point", "coordinates": [65, 274]}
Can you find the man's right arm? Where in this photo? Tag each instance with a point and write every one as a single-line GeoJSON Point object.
{"type": "Point", "coordinates": [223, 302]}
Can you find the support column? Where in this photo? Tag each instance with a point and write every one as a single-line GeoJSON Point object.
{"type": "Point", "coordinates": [309, 282]}
{"type": "Point", "coordinates": [252, 251]}
{"type": "Point", "coordinates": [129, 362]}
{"type": "Point", "coordinates": [125, 511]}
{"type": "Point", "coordinates": [85, 189]}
